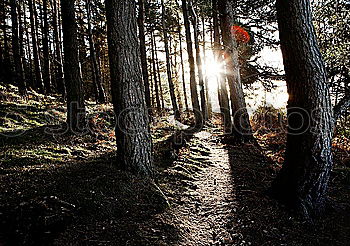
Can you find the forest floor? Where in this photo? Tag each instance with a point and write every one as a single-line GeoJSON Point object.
{"type": "Point", "coordinates": [59, 189]}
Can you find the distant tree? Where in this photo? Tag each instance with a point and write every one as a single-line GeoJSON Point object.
{"type": "Point", "coordinates": [193, 83]}
{"type": "Point", "coordinates": [134, 147]}
{"type": "Point", "coordinates": [75, 94]}
{"type": "Point", "coordinates": [19, 70]}
{"type": "Point", "coordinates": [302, 183]}
{"type": "Point", "coordinates": [46, 50]}
{"type": "Point", "coordinates": [168, 64]}
{"type": "Point", "coordinates": [143, 50]}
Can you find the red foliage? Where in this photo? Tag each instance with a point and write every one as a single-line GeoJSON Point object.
{"type": "Point", "coordinates": [240, 34]}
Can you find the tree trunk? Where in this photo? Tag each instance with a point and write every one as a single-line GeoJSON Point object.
{"type": "Point", "coordinates": [168, 66]}
{"type": "Point", "coordinates": [46, 51]}
{"type": "Point", "coordinates": [193, 83]}
{"type": "Point", "coordinates": [222, 91]}
{"type": "Point", "coordinates": [39, 84]}
{"type": "Point", "coordinates": [199, 62]}
{"type": "Point", "coordinates": [132, 133]}
{"type": "Point", "coordinates": [75, 95]}
{"type": "Point", "coordinates": [61, 88]}
{"type": "Point", "coordinates": [17, 49]}
{"type": "Point", "coordinates": [96, 74]}
{"type": "Point", "coordinates": [241, 124]}
{"type": "Point", "coordinates": [29, 73]}
{"type": "Point", "coordinates": [155, 72]}
{"type": "Point", "coordinates": [142, 39]}
{"type": "Point", "coordinates": [206, 85]}
{"type": "Point", "coordinates": [159, 77]}
{"type": "Point", "coordinates": [182, 66]}
{"type": "Point", "coordinates": [303, 180]}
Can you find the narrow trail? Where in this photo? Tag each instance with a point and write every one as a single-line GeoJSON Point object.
{"type": "Point", "coordinates": [207, 207]}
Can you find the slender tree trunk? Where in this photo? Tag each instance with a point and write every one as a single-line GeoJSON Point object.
{"type": "Point", "coordinates": [302, 182]}
{"type": "Point", "coordinates": [241, 123]}
{"type": "Point", "coordinates": [168, 65]}
{"type": "Point", "coordinates": [30, 76]}
{"type": "Point", "coordinates": [132, 132]}
{"type": "Point", "coordinates": [159, 77]}
{"type": "Point", "coordinates": [46, 51]}
{"type": "Point", "coordinates": [61, 87]}
{"type": "Point", "coordinates": [199, 62]}
{"type": "Point", "coordinates": [39, 84]}
{"type": "Point", "coordinates": [222, 88]}
{"type": "Point", "coordinates": [193, 83]}
{"type": "Point", "coordinates": [182, 66]}
{"type": "Point", "coordinates": [142, 38]}
{"type": "Point", "coordinates": [155, 72]}
{"type": "Point", "coordinates": [207, 95]}
{"type": "Point", "coordinates": [17, 49]}
{"type": "Point", "coordinates": [7, 60]}
{"type": "Point", "coordinates": [96, 74]}
{"type": "Point", "coordinates": [75, 95]}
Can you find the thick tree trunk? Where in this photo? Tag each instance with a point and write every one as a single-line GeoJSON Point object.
{"type": "Point", "coordinates": [241, 124]}
{"type": "Point", "coordinates": [96, 74]}
{"type": "Point", "coordinates": [39, 84]}
{"type": "Point", "coordinates": [46, 51]}
{"type": "Point", "coordinates": [199, 62]}
{"type": "Point", "coordinates": [17, 49]}
{"type": "Point", "coordinates": [222, 93]}
{"type": "Point", "coordinates": [155, 72]}
{"type": "Point", "coordinates": [193, 83]}
{"type": "Point", "coordinates": [75, 94]}
{"type": "Point", "coordinates": [132, 132]}
{"type": "Point", "coordinates": [303, 180]}
{"type": "Point", "coordinates": [168, 65]}
{"type": "Point", "coordinates": [142, 39]}
{"type": "Point", "coordinates": [61, 87]}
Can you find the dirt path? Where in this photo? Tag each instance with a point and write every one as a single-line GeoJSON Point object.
{"type": "Point", "coordinates": [206, 209]}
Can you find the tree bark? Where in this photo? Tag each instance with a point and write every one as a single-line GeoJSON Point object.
{"type": "Point", "coordinates": [132, 133]}
{"type": "Point", "coordinates": [159, 77]}
{"type": "Point", "coordinates": [75, 95]}
{"type": "Point", "coordinates": [168, 66]}
{"type": "Point", "coordinates": [222, 91]}
{"type": "Point", "coordinates": [206, 82]}
{"type": "Point", "coordinates": [46, 51]}
{"type": "Point", "coordinates": [241, 124]}
{"type": "Point", "coordinates": [19, 71]}
{"type": "Point", "coordinates": [142, 39]}
{"type": "Point", "coordinates": [302, 182]}
{"type": "Point", "coordinates": [39, 84]}
{"type": "Point", "coordinates": [193, 83]}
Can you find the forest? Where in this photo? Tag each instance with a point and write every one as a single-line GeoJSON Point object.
{"type": "Point", "coordinates": [175, 122]}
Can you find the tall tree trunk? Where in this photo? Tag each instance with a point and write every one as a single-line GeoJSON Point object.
{"type": "Point", "coordinates": [75, 95]}
{"type": "Point", "coordinates": [142, 38]}
{"type": "Point", "coordinates": [182, 66]}
{"type": "Point", "coordinates": [7, 60]}
{"type": "Point", "coordinates": [46, 51]}
{"type": "Point", "coordinates": [155, 72]}
{"type": "Point", "coordinates": [96, 74]}
{"type": "Point", "coordinates": [168, 65]}
{"type": "Point", "coordinates": [17, 49]}
{"type": "Point", "coordinates": [132, 132]}
{"type": "Point", "coordinates": [241, 124]}
{"type": "Point", "coordinates": [199, 62]}
{"type": "Point", "coordinates": [302, 182]}
{"type": "Point", "coordinates": [61, 87]}
{"type": "Point", "coordinates": [222, 88]}
{"type": "Point", "coordinates": [159, 77]}
{"type": "Point", "coordinates": [39, 84]}
{"type": "Point", "coordinates": [206, 82]}
{"type": "Point", "coordinates": [193, 83]}
{"type": "Point", "coordinates": [30, 76]}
